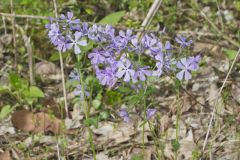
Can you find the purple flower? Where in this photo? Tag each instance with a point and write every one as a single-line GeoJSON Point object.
{"type": "Point", "coordinates": [84, 29]}
{"type": "Point", "coordinates": [78, 92]}
{"type": "Point", "coordinates": [93, 33]}
{"type": "Point", "coordinates": [159, 65]}
{"type": "Point", "coordinates": [151, 112]}
{"type": "Point", "coordinates": [168, 46]}
{"type": "Point", "coordinates": [183, 41]}
{"type": "Point", "coordinates": [124, 69]}
{"type": "Point", "coordinates": [152, 43]}
{"type": "Point", "coordinates": [120, 42]}
{"type": "Point", "coordinates": [194, 62]}
{"type": "Point", "coordinates": [107, 76]}
{"type": "Point", "coordinates": [124, 115]}
{"type": "Point", "coordinates": [77, 42]}
{"type": "Point", "coordinates": [54, 32]}
{"type": "Point", "coordinates": [105, 34]}
{"type": "Point", "coordinates": [96, 57]}
{"type": "Point", "coordinates": [135, 46]}
{"type": "Point", "coordinates": [126, 36]}
{"type": "Point", "coordinates": [48, 26]}
{"type": "Point", "coordinates": [186, 66]}
{"type": "Point", "coordinates": [141, 74]}
{"type": "Point", "coordinates": [167, 62]}
{"type": "Point", "coordinates": [70, 19]}
{"type": "Point", "coordinates": [61, 42]}
{"type": "Point", "coordinates": [110, 31]}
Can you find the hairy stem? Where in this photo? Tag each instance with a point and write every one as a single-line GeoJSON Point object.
{"type": "Point", "coordinates": [86, 111]}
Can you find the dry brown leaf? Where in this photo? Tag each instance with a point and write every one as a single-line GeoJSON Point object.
{"type": "Point", "coordinates": [187, 147]}
{"type": "Point", "coordinates": [45, 123]}
{"type": "Point", "coordinates": [221, 64]}
{"type": "Point", "coordinates": [214, 49]}
{"type": "Point", "coordinates": [186, 104]}
{"type": "Point", "coordinates": [23, 120]}
{"type": "Point", "coordinates": [37, 123]}
{"type": "Point", "coordinates": [165, 122]}
{"type": "Point", "coordinates": [213, 97]}
{"type": "Point", "coordinates": [5, 156]}
{"type": "Point", "coordinates": [122, 133]}
{"type": "Point", "coordinates": [168, 153]}
{"type": "Point", "coordinates": [235, 91]}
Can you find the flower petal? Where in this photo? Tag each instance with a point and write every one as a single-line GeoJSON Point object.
{"type": "Point", "coordinates": [76, 49]}
{"type": "Point", "coordinates": [180, 75]}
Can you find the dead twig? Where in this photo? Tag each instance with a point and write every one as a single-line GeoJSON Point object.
{"type": "Point", "coordinates": [62, 68]}
{"type": "Point", "coordinates": [22, 16]}
{"type": "Point", "coordinates": [27, 41]}
{"type": "Point", "coordinates": [14, 35]}
{"type": "Point", "coordinates": [216, 101]}
{"type": "Point", "coordinates": [152, 11]}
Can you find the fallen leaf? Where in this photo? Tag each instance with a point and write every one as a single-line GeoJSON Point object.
{"type": "Point", "coordinates": [38, 123]}
{"type": "Point", "coordinates": [165, 122]}
{"type": "Point", "coordinates": [186, 104]}
{"type": "Point", "coordinates": [122, 133]}
{"type": "Point", "coordinates": [168, 153]}
{"type": "Point", "coordinates": [5, 156]}
{"type": "Point", "coordinates": [213, 96]}
{"type": "Point", "coordinates": [187, 146]}
{"type": "Point", "coordinates": [235, 91]}
{"type": "Point", "coordinates": [45, 123]}
{"type": "Point", "coordinates": [23, 120]}
{"type": "Point", "coordinates": [214, 49]}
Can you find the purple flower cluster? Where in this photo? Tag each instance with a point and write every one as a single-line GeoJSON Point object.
{"type": "Point", "coordinates": [150, 112]}
{"type": "Point", "coordinates": [113, 60]}
{"type": "Point", "coordinates": [187, 65]}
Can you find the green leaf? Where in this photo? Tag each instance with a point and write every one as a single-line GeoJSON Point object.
{"type": "Point", "coordinates": [134, 99]}
{"type": "Point", "coordinates": [113, 97]}
{"type": "Point", "coordinates": [124, 90]}
{"type": "Point", "coordinates": [112, 18]}
{"type": "Point", "coordinates": [175, 145]}
{"type": "Point", "coordinates": [35, 92]}
{"type": "Point", "coordinates": [137, 157]}
{"type": "Point", "coordinates": [96, 103]}
{"type": "Point", "coordinates": [104, 115]}
{"type": "Point", "coordinates": [230, 53]}
{"type": "Point", "coordinates": [55, 56]}
{"type": "Point", "coordinates": [17, 83]}
{"type": "Point", "coordinates": [5, 111]}
{"type": "Point", "coordinates": [91, 121]}
{"type": "Point", "coordinates": [4, 89]}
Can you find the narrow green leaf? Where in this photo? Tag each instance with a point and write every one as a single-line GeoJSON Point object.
{"type": "Point", "coordinates": [91, 121]}
{"type": "Point", "coordinates": [230, 53]}
{"type": "Point", "coordinates": [175, 145]}
{"type": "Point", "coordinates": [35, 92]}
{"type": "Point", "coordinates": [112, 18]}
{"type": "Point", "coordinates": [5, 111]}
{"type": "Point", "coordinates": [96, 103]}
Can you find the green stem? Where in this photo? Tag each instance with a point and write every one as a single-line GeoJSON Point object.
{"type": "Point", "coordinates": [177, 122]}
{"type": "Point", "coordinates": [143, 127]}
{"type": "Point", "coordinates": [86, 111]}
{"type": "Point", "coordinates": [155, 139]}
